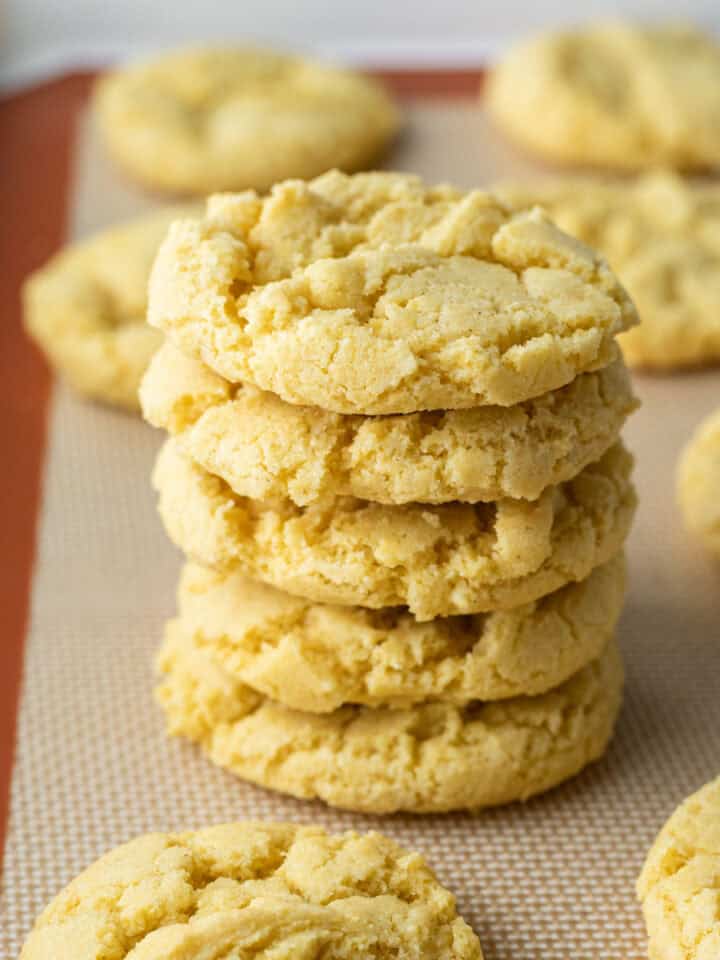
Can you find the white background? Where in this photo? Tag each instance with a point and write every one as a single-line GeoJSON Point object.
{"type": "Point", "coordinates": [43, 36]}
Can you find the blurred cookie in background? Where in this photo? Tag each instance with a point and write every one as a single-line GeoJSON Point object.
{"type": "Point", "coordinates": [86, 308]}
{"type": "Point", "coordinates": [614, 95]}
{"type": "Point", "coordinates": [699, 483]}
{"type": "Point", "coordinates": [197, 121]}
{"type": "Point", "coordinates": [661, 235]}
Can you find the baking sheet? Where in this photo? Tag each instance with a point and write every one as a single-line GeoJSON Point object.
{"type": "Point", "coordinates": [551, 879]}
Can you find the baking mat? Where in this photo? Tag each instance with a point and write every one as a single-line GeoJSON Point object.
{"type": "Point", "coordinates": [551, 879]}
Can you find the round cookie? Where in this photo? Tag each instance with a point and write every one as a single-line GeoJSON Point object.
{"type": "Point", "coordinates": [427, 758]}
{"type": "Point", "coordinates": [263, 447]}
{"type": "Point", "coordinates": [437, 560]}
{"type": "Point", "coordinates": [252, 891]}
{"type": "Point", "coordinates": [679, 886]}
{"type": "Point", "coordinates": [375, 294]}
{"type": "Point", "coordinates": [86, 308]}
{"type": "Point", "coordinates": [318, 657]}
{"type": "Point", "coordinates": [660, 233]}
{"type": "Point", "coordinates": [615, 95]}
{"type": "Point", "coordinates": [699, 483]}
{"type": "Point", "coordinates": [205, 120]}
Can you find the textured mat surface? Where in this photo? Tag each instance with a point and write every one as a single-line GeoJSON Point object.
{"type": "Point", "coordinates": [552, 879]}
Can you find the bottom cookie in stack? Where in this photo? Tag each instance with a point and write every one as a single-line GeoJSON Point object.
{"type": "Point", "coordinates": [375, 711]}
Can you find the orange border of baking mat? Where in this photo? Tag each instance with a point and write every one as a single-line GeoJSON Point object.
{"type": "Point", "coordinates": [37, 132]}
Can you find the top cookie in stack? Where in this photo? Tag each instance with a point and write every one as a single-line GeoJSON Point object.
{"type": "Point", "coordinates": [387, 395]}
{"type": "Point", "coordinates": [375, 294]}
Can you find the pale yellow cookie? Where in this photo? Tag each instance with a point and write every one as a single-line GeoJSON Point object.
{"type": "Point", "coordinates": [318, 657]}
{"type": "Point", "coordinates": [225, 118]}
{"type": "Point", "coordinates": [437, 560]}
{"type": "Point", "coordinates": [254, 891]}
{"type": "Point", "coordinates": [263, 447]}
{"type": "Point", "coordinates": [699, 483]}
{"type": "Point", "coordinates": [662, 235]}
{"type": "Point", "coordinates": [427, 758]}
{"type": "Point", "coordinates": [615, 95]}
{"type": "Point", "coordinates": [86, 308]}
{"type": "Point", "coordinates": [679, 886]}
{"type": "Point", "coordinates": [377, 294]}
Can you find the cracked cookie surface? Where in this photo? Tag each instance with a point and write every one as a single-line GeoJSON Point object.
{"type": "Point", "coordinates": [263, 447]}
{"type": "Point", "coordinates": [614, 95]}
{"type": "Point", "coordinates": [427, 758]}
{"type": "Point", "coordinates": [679, 886]}
{"type": "Point", "coordinates": [662, 236]}
{"type": "Point", "coordinates": [248, 891]}
{"type": "Point", "coordinates": [198, 121]}
{"type": "Point", "coordinates": [437, 560]}
{"type": "Point", "coordinates": [699, 483]}
{"type": "Point", "coordinates": [318, 657]}
{"type": "Point", "coordinates": [377, 294]}
{"type": "Point", "coordinates": [86, 308]}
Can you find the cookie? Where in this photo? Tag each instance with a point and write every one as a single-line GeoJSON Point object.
{"type": "Point", "coordinates": [227, 118]}
{"type": "Point", "coordinates": [679, 886]}
{"type": "Point", "coordinates": [662, 235]}
{"type": "Point", "coordinates": [86, 308]}
{"type": "Point", "coordinates": [317, 657]}
{"type": "Point", "coordinates": [614, 94]}
{"type": "Point", "coordinates": [263, 447]}
{"type": "Point", "coordinates": [376, 294]}
{"type": "Point", "coordinates": [699, 483]}
{"type": "Point", "coordinates": [252, 891]}
{"type": "Point", "coordinates": [436, 560]}
{"type": "Point", "coordinates": [427, 758]}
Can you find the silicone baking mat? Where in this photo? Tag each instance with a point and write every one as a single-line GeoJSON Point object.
{"type": "Point", "coordinates": [551, 879]}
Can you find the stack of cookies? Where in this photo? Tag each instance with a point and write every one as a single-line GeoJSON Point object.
{"type": "Point", "coordinates": [394, 467]}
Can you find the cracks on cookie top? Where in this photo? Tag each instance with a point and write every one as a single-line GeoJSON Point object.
{"type": "Point", "coordinates": [335, 230]}
{"type": "Point", "coordinates": [685, 903]}
{"type": "Point", "coordinates": [683, 837]}
{"type": "Point", "coordinates": [545, 255]}
{"type": "Point", "coordinates": [165, 891]}
{"type": "Point", "coordinates": [519, 316]}
{"type": "Point", "coordinates": [177, 876]}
